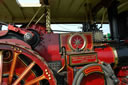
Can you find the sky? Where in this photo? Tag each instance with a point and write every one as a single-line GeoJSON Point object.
{"type": "Point", "coordinates": [67, 27]}
{"type": "Point", "coordinates": [77, 27]}
{"type": "Point", "coordinates": [70, 27]}
{"type": "Point", "coordinates": [105, 28]}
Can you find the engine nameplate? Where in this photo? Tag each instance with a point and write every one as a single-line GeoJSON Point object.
{"type": "Point", "coordinates": [81, 59]}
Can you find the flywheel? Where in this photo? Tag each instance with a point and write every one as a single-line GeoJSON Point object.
{"type": "Point", "coordinates": [22, 66]}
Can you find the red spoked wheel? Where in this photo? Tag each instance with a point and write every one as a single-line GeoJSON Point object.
{"type": "Point", "coordinates": [22, 66]}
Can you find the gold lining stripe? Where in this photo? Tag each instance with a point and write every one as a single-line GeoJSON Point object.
{"type": "Point", "coordinates": [116, 57]}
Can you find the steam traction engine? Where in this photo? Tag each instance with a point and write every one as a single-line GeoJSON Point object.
{"type": "Point", "coordinates": [34, 57]}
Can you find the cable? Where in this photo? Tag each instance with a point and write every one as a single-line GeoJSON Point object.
{"type": "Point", "coordinates": [102, 18]}
{"type": "Point", "coordinates": [34, 16]}
{"type": "Point", "coordinates": [39, 18]}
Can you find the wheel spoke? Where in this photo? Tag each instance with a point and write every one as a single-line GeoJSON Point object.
{"type": "Point", "coordinates": [1, 65]}
{"type": "Point", "coordinates": [24, 73]}
{"type": "Point", "coordinates": [36, 80]}
{"type": "Point", "coordinates": [13, 65]}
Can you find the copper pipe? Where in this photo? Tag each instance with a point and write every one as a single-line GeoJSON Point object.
{"type": "Point", "coordinates": [36, 80]}
{"type": "Point", "coordinates": [24, 73]}
{"type": "Point", "coordinates": [1, 66]}
{"type": "Point", "coordinates": [13, 65]}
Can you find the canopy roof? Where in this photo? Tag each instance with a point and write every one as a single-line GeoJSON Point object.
{"type": "Point", "coordinates": [62, 11]}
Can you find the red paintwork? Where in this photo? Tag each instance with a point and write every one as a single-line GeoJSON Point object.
{"type": "Point", "coordinates": [96, 77]}
{"type": "Point", "coordinates": [31, 55]}
{"type": "Point", "coordinates": [20, 67]}
{"type": "Point", "coordinates": [105, 54]}
{"type": "Point", "coordinates": [77, 37]}
{"type": "Point", "coordinates": [49, 47]}
{"type": "Point", "coordinates": [83, 59]}
{"type": "Point", "coordinates": [93, 69]}
{"type": "Point", "coordinates": [123, 72]}
{"type": "Point", "coordinates": [19, 30]}
{"type": "Point", "coordinates": [93, 79]}
{"type": "Point", "coordinates": [64, 38]}
{"type": "Point", "coordinates": [18, 42]}
{"type": "Point", "coordinates": [39, 28]}
{"type": "Point", "coordinates": [89, 45]}
{"type": "Point", "coordinates": [70, 75]}
{"type": "Point", "coordinates": [3, 33]}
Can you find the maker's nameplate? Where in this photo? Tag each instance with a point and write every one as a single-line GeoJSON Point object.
{"type": "Point", "coordinates": [83, 59]}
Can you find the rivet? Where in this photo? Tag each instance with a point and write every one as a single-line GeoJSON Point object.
{"type": "Point", "coordinates": [50, 78]}
{"type": "Point", "coordinates": [14, 49]}
{"type": "Point", "coordinates": [46, 70]}
{"type": "Point", "coordinates": [47, 73]}
{"type": "Point", "coordinates": [18, 48]}
{"type": "Point", "coordinates": [20, 51]}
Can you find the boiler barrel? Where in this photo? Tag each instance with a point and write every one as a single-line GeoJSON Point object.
{"type": "Point", "coordinates": [108, 54]}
